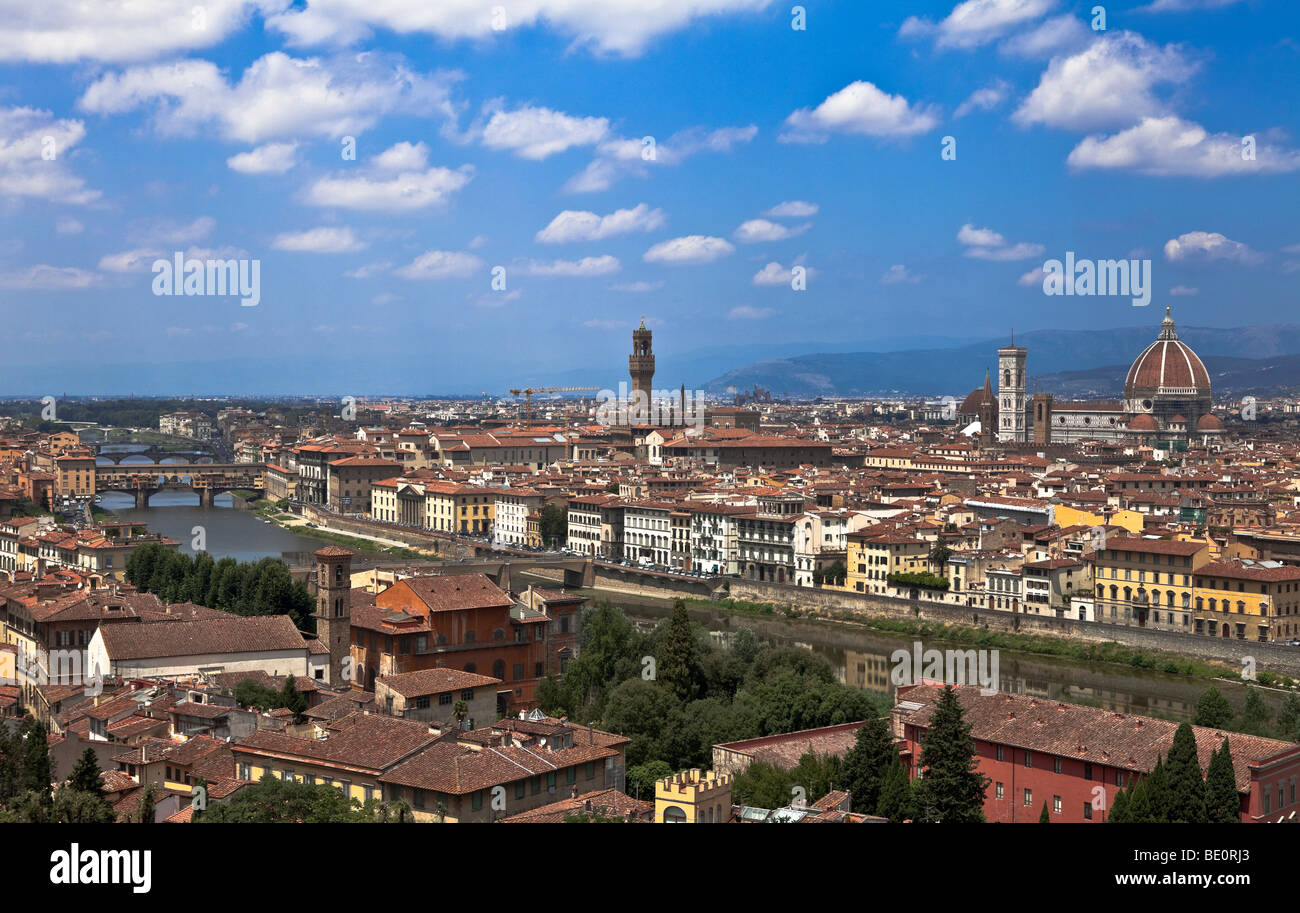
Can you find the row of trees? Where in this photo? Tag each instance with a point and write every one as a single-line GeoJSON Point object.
{"type": "Point", "coordinates": [675, 693]}
{"type": "Point", "coordinates": [1177, 792]}
{"type": "Point", "coordinates": [243, 588]}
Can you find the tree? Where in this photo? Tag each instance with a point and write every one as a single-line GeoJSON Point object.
{"type": "Point", "coordinates": [35, 753]}
{"type": "Point", "coordinates": [1222, 802]}
{"type": "Point", "coordinates": [868, 761]}
{"type": "Point", "coordinates": [86, 775]}
{"type": "Point", "coordinates": [952, 788]}
{"type": "Point", "coordinates": [292, 699]}
{"type": "Point", "coordinates": [1185, 785]}
{"type": "Point", "coordinates": [1139, 804]}
{"type": "Point", "coordinates": [896, 801]}
{"type": "Point", "coordinates": [1212, 709]}
{"type": "Point", "coordinates": [1288, 718]}
{"type": "Point", "coordinates": [273, 801]}
{"type": "Point", "coordinates": [1157, 790]}
{"type": "Point", "coordinates": [678, 667]}
{"type": "Point", "coordinates": [1255, 717]}
{"type": "Point", "coordinates": [641, 778]}
{"type": "Point", "coordinates": [1044, 817]}
{"type": "Point", "coordinates": [554, 524]}
{"type": "Point", "coordinates": [1119, 813]}
{"type": "Point", "coordinates": [79, 806]}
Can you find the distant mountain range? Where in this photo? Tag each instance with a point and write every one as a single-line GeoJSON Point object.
{"type": "Point", "coordinates": [1259, 360]}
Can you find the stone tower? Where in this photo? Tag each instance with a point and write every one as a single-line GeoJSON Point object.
{"type": "Point", "coordinates": [1012, 425]}
{"type": "Point", "coordinates": [641, 363]}
{"type": "Point", "coordinates": [334, 609]}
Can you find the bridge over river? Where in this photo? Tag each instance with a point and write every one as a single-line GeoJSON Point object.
{"type": "Point", "coordinates": [206, 479]}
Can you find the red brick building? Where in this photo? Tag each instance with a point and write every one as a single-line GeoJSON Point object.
{"type": "Point", "coordinates": [1077, 758]}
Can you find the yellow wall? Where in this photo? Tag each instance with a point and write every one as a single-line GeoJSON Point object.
{"type": "Point", "coordinates": [1130, 520]}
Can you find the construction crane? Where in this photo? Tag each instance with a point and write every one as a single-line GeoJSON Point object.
{"type": "Point", "coordinates": [527, 394]}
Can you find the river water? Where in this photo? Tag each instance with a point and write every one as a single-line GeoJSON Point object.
{"type": "Point", "coordinates": [239, 534]}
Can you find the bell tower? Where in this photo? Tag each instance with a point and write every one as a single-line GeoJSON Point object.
{"type": "Point", "coordinates": [1012, 404]}
{"type": "Point", "coordinates": [334, 608]}
{"type": "Point", "coordinates": [641, 363]}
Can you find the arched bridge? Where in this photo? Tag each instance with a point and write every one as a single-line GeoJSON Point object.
{"type": "Point", "coordinates": [208, 479]}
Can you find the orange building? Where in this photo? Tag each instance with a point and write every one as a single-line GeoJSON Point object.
{"type": "Point", "coordinates": [464, 622]}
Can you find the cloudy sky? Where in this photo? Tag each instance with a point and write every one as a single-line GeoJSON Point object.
{"type": "Point", "coordinates": [463, 195]}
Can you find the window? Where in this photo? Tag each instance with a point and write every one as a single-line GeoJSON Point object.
{"type": "Point", "coordinates": [1056, 804]}
{"type": "Point", "coordinates": [1000, 753]}
{"type": "Point", "coordinates": [444, 699]}
{"type": "Point", "coordinates": [1029, 759]}
{"type": "Point", "coordinates": [520, 787]}
{"type": "Point", "coordinates": [1056, 765]}
{"type": "Point", "coordinates": [477, 801]}
{"type": "Point", "coordinates": [1087, 811]}
{"type": "Point", "coordinates": [1029, 797]}
{"type": "Point", "coordinates": [999, 791]}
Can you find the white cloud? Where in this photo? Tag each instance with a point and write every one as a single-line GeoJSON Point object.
{"type": "Point", "coordinates": [776, 274]}
{"type": "Point", "coordinates": [619, 158]}
{"type": "Point", "coordinates": [324, 240]}
{"type": "Point", "coordinates": [899, 273]}
{"type": "Point", "coordinates": [976, 22]}
{"type": "Point", "coordinates": [745, 312]}
{"type": "Point", "coordinates": [383, 189]}
{"type": "Point", "coordinates": [1179, 291]}
{"type": "Point", "coordinates": [1206, 246]}
{"type": "Point", "coordinates": [792, 209]}
{"type": "Point", "coordinates": [1110, 84]}
{"type": "Point", "coordinates": [69, 227]}
{"type": "Point", "coordinates": [538, 133]}
{"type": "Point", "coordinates": [1184, 6]}
{"type": "Point", "coordinates": [984, 99]}
{"type": "Point", "coordinates": [637, 287]}
{"type": "Point", "coordinates": [1061, 34]}
{"type": "Point", "coordinates": [1033, 278]}
{"type": "Point", "coordinates": [130, 261]}
{"type": "Point", "coordinates": [68, 31]}
{"type": "Point", "coordinates": [986, 244]}
{"type": "Point", "coordinates": [689, 249]}
{"type": "Point", "coordinates": [277, 96]}
{"type": "Point", "coordinates": [49, 278]}
{"type": "Point", "coordinates": [34, 149]}
{"type": "Point", "coordinates": [859, 108]}
{"type": "Point", "coordinates": [756, 230]}
{"type": "Point", "coordinates": [575, 225]}
{"type": "Point", "coordinates": [402, 156]}
{"type": "Point", "coordinates": [623, 28]}
{"type": "Point", "coordinates": [273, 158]}
{"type": "Point", "coordinates": [169, 231]}
{"type": "Point", "coordinates": [370, 269]}
{"type": "Point", "coordinates": [441, 264]}
{"type": "Point", "coordinates": [587, 266]}
{"type": "Point", "coordinates": [1167, 146]}
{"type": "Point", "coordinates": [979, 237]}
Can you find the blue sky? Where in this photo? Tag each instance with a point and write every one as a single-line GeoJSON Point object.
{"type": "Point", "coordinates": [220, 133]}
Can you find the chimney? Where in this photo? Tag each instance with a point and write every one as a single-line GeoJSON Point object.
{"type": "Point", "coordinates": [591, 734]}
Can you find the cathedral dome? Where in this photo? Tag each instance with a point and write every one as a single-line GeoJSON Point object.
{"type": "Point", "coordinates": [1166, 368]}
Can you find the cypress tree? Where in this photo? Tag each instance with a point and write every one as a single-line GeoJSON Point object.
{"type": "Point", "coordinates": [678, 665]}
{"type": "Point", "coordinates": [952, 789]}
{"type": "Point", "coordinates": [1157, 788]}
{"type": "Point", "coordinates": [1119, 809]}
{"type": "Point", "coordinates": [1222, 802]}
{"type": "Point", "coordinates": [896, 802]}
{"type": "Point", "coordinates": [1045, 817]}
{"type": "Point", "coordinates": [1185, 782]}
{"type": "Point", "coordinates": [86, 774]}
{"type": "Point", "coordinates": [868, 761]}
{"type": "Point", "coordinates": [1139, 804]}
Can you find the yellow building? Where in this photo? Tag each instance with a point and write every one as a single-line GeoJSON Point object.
{"type": "Point", "coordinates": [693, 797]}
{"type": "Point", "coordinates": [1247, 600]}
{"type": "Point", "coordinates": [871, 558]}
{"type": "Point", "coordinates": [454, 508]}
{"type": "Point", "coordinates": [1066, 517]}
{"type": "Point", "coordinates": [1148, 582]}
